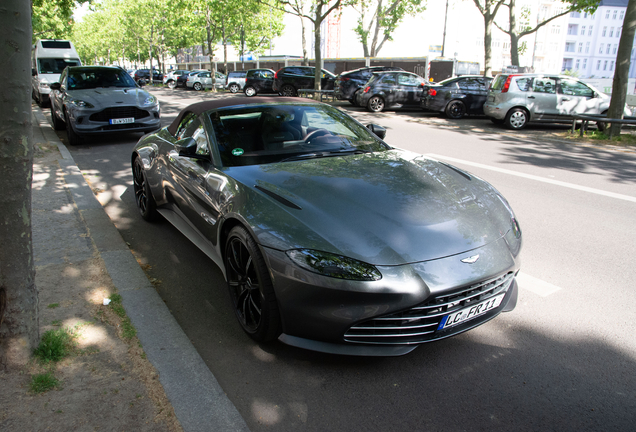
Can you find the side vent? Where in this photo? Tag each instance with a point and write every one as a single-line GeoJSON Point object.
{"type": "Point", "coordinates": [278, 198]}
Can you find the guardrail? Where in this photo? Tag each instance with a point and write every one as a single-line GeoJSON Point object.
{"type": "Point", "coordinates": [323, 93]}
{"type": "Point", "coordinates": [586, 119]}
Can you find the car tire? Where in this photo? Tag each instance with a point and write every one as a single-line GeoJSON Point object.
{"type": "Point", "coordinates": [517, 118]}
{"type": "Point", "coordinates": [197, 86]}
{"type": "Point", "coordinates": [288, 90]}
{"type": "Point", "coordinates": [250, 287]}
{"type": "Point", "coordinates": [172, 84]}
{"type": "Point", "coordinates": [143, 197]}
{"type": "Point", "coordinates": [73, 138]}
{"type": "Point", "coordinates": [455, 109]}
{"type": "Point", "coordinates": [57, 123]}
{"type": "Point", "coordinates": [376, 104]}
{"type": "Point", "coordinates": [234, 88]}
{"type": "Point", "coordinates": [249, 91]}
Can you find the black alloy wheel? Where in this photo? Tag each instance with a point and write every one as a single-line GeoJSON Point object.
{"type": "Point", "coordinates": [376, 104]}
{"type": "Point", "coordinates": [455, 109]}
{"type": "Point", "coordinates": [251, 289]}
{"type": "Point", "coordinates": [288, 90]}
{"type": "Point", "coordinates": [143, 197]}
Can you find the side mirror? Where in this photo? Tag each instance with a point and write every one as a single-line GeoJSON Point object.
{"type": "Point", "coordinates": [55, 86]}
{"type": "Point", "coordinates": [379, 131]}
{"type": "Point", "coordinates": [33, 72]}
{"type": "Point", "coordinates": [187, 147]}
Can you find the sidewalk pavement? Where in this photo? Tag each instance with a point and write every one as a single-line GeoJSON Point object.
{"type": "Point", "coordinates": [71, 231]}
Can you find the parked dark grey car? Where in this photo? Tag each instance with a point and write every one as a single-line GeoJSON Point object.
{"type": "Point", "coordinates": [329, 238]}
{"type": "Point", "coordinates": [93, 100]}
{"type": "Point", "coordinates": [391, 90]}
{"type": "Point", "coordinates": [259, 81]}
{"type": "Point", "coordinates": [290, 79]}
{"type": "Point", "coordinates": [348, 83]}
{"type": "Point", "coordinates": [457, 96]}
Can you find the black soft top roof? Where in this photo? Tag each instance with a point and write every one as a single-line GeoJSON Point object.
{"type": "Point", "coordinates": [201, 107]}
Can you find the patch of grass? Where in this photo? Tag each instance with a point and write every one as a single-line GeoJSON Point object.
{"type": "Point", "coordinates": [53, 305]}
{"type": "Point", "coordinates": [127, 329]}
{"type": "Point", "coordinates": [43, 382]}
{"type": "Point", "coordinates": [56, 323]}
{"type": "Point", "coordinates": [55, 345]}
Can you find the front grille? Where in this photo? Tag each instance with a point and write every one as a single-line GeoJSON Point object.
{"type": "Point", "coordinates": [419, 324]}
{"type": "Point", "coordinates": [126, 126]}
{"type": "Point", "coordinates": [119, 112]}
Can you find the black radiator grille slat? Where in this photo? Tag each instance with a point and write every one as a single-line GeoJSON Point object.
{"type": "Point", "coordinates": [119, 112]}
{"type": "Point", "coordinates": [419, 324]}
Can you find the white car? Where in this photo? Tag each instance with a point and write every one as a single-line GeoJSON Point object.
{"type": "Point", "coordinates": [202, 80]}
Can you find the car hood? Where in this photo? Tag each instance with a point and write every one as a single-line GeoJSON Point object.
{"type": "Point", "coordinates": [107, 96]}
{"type": "Point", "coordinates": [384, 208]}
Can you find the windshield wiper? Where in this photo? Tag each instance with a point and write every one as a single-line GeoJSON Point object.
{"type": "Point", "coordinates": [325, 154]}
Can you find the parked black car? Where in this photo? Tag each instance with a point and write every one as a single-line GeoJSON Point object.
{"type": "Point", "coordinates": [391, 90]}
{"type": "Point", "coordinates": [144, 74]}
{"type": "Point", "coordinates": [288, 80]}
{"type": "Point", "coordinates": [457, 96]}
{"type": "Point", "coordinates": [183, 79]}
{"type": "Point", "coordinates": [259, 81]}
{"type": "Point", "coordinates": [235, 81]}
{"type": "Point", "coordinates": [348, 83]}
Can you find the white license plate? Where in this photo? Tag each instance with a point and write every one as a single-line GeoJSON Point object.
{"type": "Point", "coordinates": [470, 312]}
{"type": "Point", "coordinates": [122, 120]}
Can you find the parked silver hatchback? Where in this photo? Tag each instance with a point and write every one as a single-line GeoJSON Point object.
{"type": "Point", "coordinates": [516, 99]}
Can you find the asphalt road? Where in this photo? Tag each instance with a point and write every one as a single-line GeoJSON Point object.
{"type": "Point", "coordinates": [564, 359]}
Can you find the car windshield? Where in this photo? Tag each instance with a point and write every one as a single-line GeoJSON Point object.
{"type": "Point", "coordinates": [273, 133]}
{"type": "Point", "coordinates": [90, 78]}
{"type": "Point", "coordinates": [55, 65]}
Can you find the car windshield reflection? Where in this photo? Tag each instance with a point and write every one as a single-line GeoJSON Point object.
{"type": "Point", "coordinates": [268, 134]}
{"type": "Point", "coordinates": [90, 78]}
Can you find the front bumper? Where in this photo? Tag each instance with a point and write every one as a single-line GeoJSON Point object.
{"type": "Point", "coordinates": [348, 317]}
{"type": "Point", "coordinates": [97, 121]}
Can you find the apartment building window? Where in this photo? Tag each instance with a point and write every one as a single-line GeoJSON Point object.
{"type": "Point", "coordinates": [604, 31]}
{"type": "Point", "coordinates": [585, 15]}
{"type": "Point", "coordinates": [611, 32]}
{"type": "Point", "coordinates": [569, 46]}
{"type": "Point", "coordinates": [608, 49]}
{"type": "Point", "coordinates": [575, 14]}
{"type": "Point", "coordinates": [607, 14]}
{"type": "Point", "coordinates": [605, 65]}
{"type": "Point", "coordinates": [587, 47]}
{"type": "Point", "coordinates": [622, 15]}
{"type": "Point", "coordinates": [580, 47]}
{"type": "Point", "coordinates": [583, 31]}
{"type": "Point", "coordinates": [600, 49]}
{"type": "Point", "coordinates": [578, 63]}
{"type": "Point", "coordinates": [615, 13]}
{"type": "Point", "coordinates": [598, 65]}
{"type": "Point", "coordinates": [584, 64]}
{"type": "Point", "coordinates": [556, 29]}
{"type": "Point", "coordinates": [611, 65]}
{"type": "Point", "coordinates": [615, 49]}
{"type": "Point", "coordinates": [589, 33]}
{"type": "Point", "coordinates": [618, 31]}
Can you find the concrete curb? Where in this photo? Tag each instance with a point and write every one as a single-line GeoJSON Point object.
{"type": "Point", "coordinates": [196, 396]}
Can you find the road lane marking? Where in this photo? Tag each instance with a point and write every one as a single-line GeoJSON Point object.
{"type": "Point", "coordinates": [537, 286]}
{"type": "Point", "coordinates": [537, 178]}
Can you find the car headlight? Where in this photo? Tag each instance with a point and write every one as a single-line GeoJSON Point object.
{"type": "Point", "coordinates": [81, 103]}
{"type": "Point", "coordinates": [516, 229]}
{"type": "Point", "coordinates": [332, 265]}
{"type": "Point", "coordinates": [150, 100]}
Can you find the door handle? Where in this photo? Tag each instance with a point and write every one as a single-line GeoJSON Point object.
{"type": "Point", "coordinates": [565, 99]}
{"type": "Point", "coordinates": [530, 97]}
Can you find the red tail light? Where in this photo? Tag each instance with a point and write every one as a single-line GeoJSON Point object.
{"type": "Point", "coordinates": [276, 74]}
{"type": "Point", "coordinates": [432, 92]}
{"type": "Point", "coordinates": [506, 85]}
{"type": "Point", "coordinates": [366, 90]}
{"type": "Point", "coordinates": [344, 79]}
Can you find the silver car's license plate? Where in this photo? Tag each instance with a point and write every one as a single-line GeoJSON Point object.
{"type": "Point", "coordinates": [470, 312]}
{"type": "Point", "coordinates": [122, 120]}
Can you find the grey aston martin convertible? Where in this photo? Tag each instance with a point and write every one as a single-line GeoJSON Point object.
{"type": "Point", "coordinates": [329, 238]}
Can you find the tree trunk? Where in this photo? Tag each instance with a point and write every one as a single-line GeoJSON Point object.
{"type": "Point", "coordinates": [621, 74]}
{"type": "Point", "coordinates": [514, 36]}
{"type": "Point", "coordinates": [304, 42]}
{"type": "Point", "coordinates": [317, 52]}
{"type": "Point", "coordinates": [488, 19]}
{"type": "Point", "coordinates": [19, 327]}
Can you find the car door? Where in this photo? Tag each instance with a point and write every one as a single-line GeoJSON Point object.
{"type": "Point", "coordinates": [264, 81]}
{"type": "Point", "coordinates": [195, 181]}
{"type": "Point", "coordinates": [409, 89]}
{"type": "Point", "coordinates": [542, 99]}
{"type": "Point", "coordinates": [470, 91]}
{"type": "Point", "coordinates": [206, 79]}
{"type": "Point", "coordinates": [574, 97]}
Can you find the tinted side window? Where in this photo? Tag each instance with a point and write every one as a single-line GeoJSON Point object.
{"type": "Point", "coordinates": [388, 79]}
{"type": "Point", "coordinates": [523, 84]}
{"type": "Point", "coordinates": [499, 82]}
{"type": "Point", "coordinates": [267, 74]}
{"type": "Point", "coordinates": [575, 88]}
{"type": "Point", "coordinates": [544, 85]}
{"type": "Point", "coordinates": [187, 120]}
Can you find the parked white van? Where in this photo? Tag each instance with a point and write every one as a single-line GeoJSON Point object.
{"type": "Point", "coordinates": [48, 60]}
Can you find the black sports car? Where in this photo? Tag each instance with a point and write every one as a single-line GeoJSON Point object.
{"type": "Point", "coordinates": [329, 238]}
{"type": "Point", "coordinates": [457, 96]}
